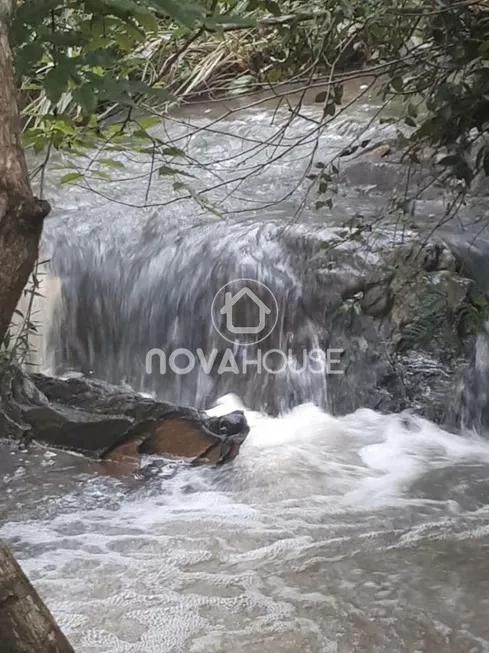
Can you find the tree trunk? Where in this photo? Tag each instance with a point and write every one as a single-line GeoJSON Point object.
{"type": "Point", "coordinates": [26, 625]}
{"type": "Point", "coordinates": [21, 214]}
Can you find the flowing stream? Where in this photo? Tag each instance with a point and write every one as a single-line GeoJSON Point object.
{"type": "Point", "coordinates": [363, 533]}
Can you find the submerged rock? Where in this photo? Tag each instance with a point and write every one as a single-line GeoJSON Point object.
{"type": "Point", "coordinates": [114, 424]}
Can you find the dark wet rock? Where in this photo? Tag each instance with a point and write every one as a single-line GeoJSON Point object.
{"type": "Point", "coordinates": [377, 301]}
{"type": "Point", "coordinates": [109, 422]}
{"type": "Point", "coordinates": [405, 316]}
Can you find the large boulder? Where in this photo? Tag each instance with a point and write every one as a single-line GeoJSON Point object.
{"type": "Point", "coordinates": [113, 424]}
{"type": "Point", "coordinates": [404, 309]}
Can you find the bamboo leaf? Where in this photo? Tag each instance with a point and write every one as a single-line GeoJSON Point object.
{"type": "Point", "coordinates": [165, 171]}
{"type": "Point", "coordinates": [111, 163]}
{"type": "Point", "coordinates": [102, 175]}
{"type": "Point", "coordinates": [71, 177]}
{"type": "Point", "coordinates": [173, 151]}
{"type": "Point", "coordinates": [147, 123]}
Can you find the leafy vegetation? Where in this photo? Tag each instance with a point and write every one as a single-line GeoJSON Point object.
{"type": "Point", "coordinates": [444, 81]}
{"type": "Point", "coordinates": [19, 342]}
{"type": "Point", "coordinates": [80, 62]}
{"type": "Point", "coordinates": [88, 69]}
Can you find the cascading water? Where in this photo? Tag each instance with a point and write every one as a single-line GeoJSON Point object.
{"type": "Point", "coordinates": [116, 305]}
{"type": "Point", "coordinates": [363, 533]}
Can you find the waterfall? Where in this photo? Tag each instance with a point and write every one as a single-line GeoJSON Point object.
{"type": "Point", "coordinates": [119, 304]}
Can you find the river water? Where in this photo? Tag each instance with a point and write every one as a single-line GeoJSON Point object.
{"type": "Point", "coordinates": [362, 533]}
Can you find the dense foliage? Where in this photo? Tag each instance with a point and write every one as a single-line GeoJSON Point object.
{"type": "Point", "coordinates": [81, 62]}
{"type": "Point", "coordinates": [449, 73]}
{"type": "Point", "coordinates": [92, 73]}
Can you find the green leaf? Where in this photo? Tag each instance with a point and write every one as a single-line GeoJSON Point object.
{"type": "Point", "coordinates": [160, 93]}
{"type": "Point", "coordinates": [28, 56]}
{"type": "Point", "coordinates": [55, 84]}
{"type": "Point", "coordinates": [39, 144]}
{"type": "Point", "coordinates": [124, 41]}
{"type": "Point", "coordinates": [64, 125]}
{"type": "Point", "coordinates": [142, 135]}
{"type": "Point", "coordinates": [121, 8]}
{"type": "Point", "coordinates": [218, 22]}
{"type": "Point", "coordinates": [147, 123]}
{"type": "Point", "coordinates": [116, 90]}
{"type": "Point", "coordinates": [321, 97]}
{"type": "Point", "coordinates": [111, 163]}
{"type": "Point", "coordinates": [102, 175]}
{"type": "Point", "coordinates": [185, 13]}
{"type": "Point", "coordinates": [71, 177]}
{"type": "Point", "coordinates": [165, 171]}
{"type": "Point", "coordinates": [85, 98]}
{"type": "Point", "coordinates": [240, 85]}
{"type": "Point", "coordinates": [147, 20]}
{"type": "Point", "coordinates": [134, 33]}
{"type": "Point", "coordinates": [172, 151]}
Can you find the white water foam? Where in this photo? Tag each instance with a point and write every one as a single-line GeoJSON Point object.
{"type": "Point", "coordinates": [366, 457]}
{"type": "Point", "coordinates": [313, 539]}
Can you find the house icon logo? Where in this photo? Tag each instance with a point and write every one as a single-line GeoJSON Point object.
{"type": "Point", "coordinates": [244, 311]}
{"type": "Point", "coordinates": [228, 311]}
